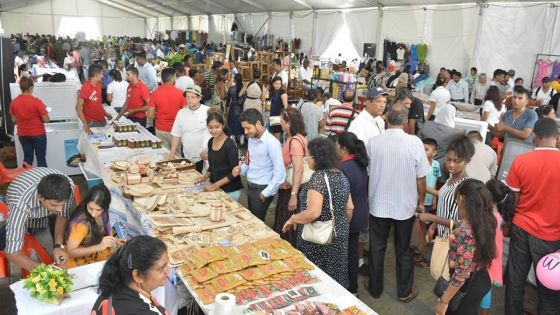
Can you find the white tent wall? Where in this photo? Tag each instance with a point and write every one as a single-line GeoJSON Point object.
{"type": "Point", "coordinates": [511, 35]}
{"type": "Point", "coordinates": [279, 25]}
{"type": "Point", "coordinates": [363, 27]}
{"type": "Point", "coordinates": [252, 23]}
{"type": "Point", "coordinates": [303, 29]}
{"type": "Point", "coordinates": [180, 23]}
{"type": "Point", "coordinates": [44, 17]}
{"type": "Point", "coordinates": [219, 27]}
{"type": "Point", "coordinates": [451, 34]}
{"type": "Point", "coordinates": [326, 28]}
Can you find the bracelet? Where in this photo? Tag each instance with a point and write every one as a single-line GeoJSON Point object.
{"type": "Point", "coordinates": [293, 193]}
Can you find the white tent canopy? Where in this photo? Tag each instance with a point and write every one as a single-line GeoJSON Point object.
{"type": "Point", "coordinates": [490, 35]}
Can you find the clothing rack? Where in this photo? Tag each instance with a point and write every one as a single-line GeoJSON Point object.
{"type": "Point", "coordinates": [539, 56]}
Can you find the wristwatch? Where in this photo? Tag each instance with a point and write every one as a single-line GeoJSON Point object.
{"type": "Point", "coordinates": [61, 246]}
{"type": "Point", "coordinates": [293, 193]}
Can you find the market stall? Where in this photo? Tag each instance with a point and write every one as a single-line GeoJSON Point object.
{"type": "Point", "coordinates": [163, 199]}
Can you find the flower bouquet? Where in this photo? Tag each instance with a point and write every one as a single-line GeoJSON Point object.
{"type": "Point", "coordinates": [48, 283]}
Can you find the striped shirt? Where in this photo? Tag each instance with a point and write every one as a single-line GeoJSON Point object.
{"type": "Point", "coordinates": [338, 118]}
{"type": "Point", "coordinates": [397, 160]}
{"type": "Point", "coordinates": [25, 209]}
{"type": "Point", "coordinates": [446, 206]}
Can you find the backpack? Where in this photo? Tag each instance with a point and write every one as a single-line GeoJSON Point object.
{"type": "Point", "coordinates": [539, 89]}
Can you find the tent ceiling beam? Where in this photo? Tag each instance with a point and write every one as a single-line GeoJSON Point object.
{"type": "Point", "coordinates": [142, 7]}
{"type": "Point", "coordinates": [219, 6]}
{"type": "Point", "coordinates": [166, 6]}
{"type": "Point", "coordinates": [13, 5]}
{"type": "Point", "coordinates": [193, 7]}
{"type": "Point", "coordinates": [256, 5]}
{"type": "Point", "coordinates": [304, 3]}
{"type": "Point", "coordinates": [125, 8]}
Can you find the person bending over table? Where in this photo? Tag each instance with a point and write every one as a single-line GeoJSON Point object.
{"type": "Point", "coordinates": [129, 277]}
{"type": "Point", "coordinates": [32, 197]}
{"type": "Point", "coordinates": [88, 237]}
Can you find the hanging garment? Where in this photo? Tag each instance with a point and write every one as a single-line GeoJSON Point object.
{"type": "Point", "coordinates": [543, 66]}
{"type": "Point", "coordinates": [400, 53]}
{"type": "Point", "coordinates": [422, 50]}
{"type": "Point", "coordinates": [413, 53]}
{"type": "Point", "coordinates": [555, 70]}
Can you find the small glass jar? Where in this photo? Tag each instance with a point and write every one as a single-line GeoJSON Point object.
{"type": "Point", "coordinates": [131, 143]}
{"type": "Point", "coordinates": [158, 142]}
{"type": "Point", "coordinates": [154, 143]}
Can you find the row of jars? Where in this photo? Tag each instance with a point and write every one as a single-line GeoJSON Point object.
{"type": "Point", "coordinates": [124, 127]}
{"type": "Point", "coordinates": [137, 141]}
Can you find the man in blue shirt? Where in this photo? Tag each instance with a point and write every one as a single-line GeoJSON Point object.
{"type": "Point", "coordinates": [264, 166]}
{"type": "Point", "coordinates": [147, 72]}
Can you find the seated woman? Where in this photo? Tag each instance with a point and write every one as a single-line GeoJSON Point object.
{"type": "Point", "coordinates": [129, 277]}
{"type": "Point", "coordinates": [88, 236]}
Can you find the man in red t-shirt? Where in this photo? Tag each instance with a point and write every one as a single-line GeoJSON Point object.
{"type": "Point", "coordinates": [137, 98]}
{"type": "Point", "coordinates": [535, 232]}
{"type": "Point", "coordinates": [89, 107]}
{"type": "Point", "coordinates": [166, 101]}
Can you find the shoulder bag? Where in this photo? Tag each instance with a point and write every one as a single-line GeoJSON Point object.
{"type": "Point", "coordinates": [438, 265]}
{"type": "Point", "coordinates": [455, 302]}
{"type": "Point", "coordinates": [307, 171]}
{"type": "Point", "coordinates": [321, 232]}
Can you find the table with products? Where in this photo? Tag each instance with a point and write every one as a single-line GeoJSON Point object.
{"type": "Point", "coordinates": [165, 199]}
{"type": "Point", "coordinates": [83, 296]}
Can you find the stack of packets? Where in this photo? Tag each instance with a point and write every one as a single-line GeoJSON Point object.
{"type": "Point", "coordinates": [310, 308]}
{"type": "Point", "coordinates": [250, 272]}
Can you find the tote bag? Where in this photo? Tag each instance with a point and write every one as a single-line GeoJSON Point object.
{"type": "Point", "coordinates": [438, 266]}
{"type": "Point", "coordinates": [321, 232]}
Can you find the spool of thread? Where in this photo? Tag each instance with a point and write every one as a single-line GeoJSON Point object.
{"type": "Point", "coordinates": [224, 303]}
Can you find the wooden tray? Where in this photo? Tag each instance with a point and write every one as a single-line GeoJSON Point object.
{"type": "Point", "coordinates": [163, 164]}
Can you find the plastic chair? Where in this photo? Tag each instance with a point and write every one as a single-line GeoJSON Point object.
{"type": "Point", "coordinates": [30, 245]}
{"type": "Point", "coordinates": [7, 175]}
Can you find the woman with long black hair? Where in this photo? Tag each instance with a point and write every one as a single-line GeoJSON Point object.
{"type": "Point", "coordinates": [353, 163]}
{"type": "Point", "coordinates": [471, 249]}
{"type": "Point", "coordinates": [88, 236]}
{"type": "Point", "coordinates": [128, 277]}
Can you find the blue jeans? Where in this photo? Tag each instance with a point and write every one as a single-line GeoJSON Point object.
{"type": "Point", "coordinates": [236, 195]}
{"type": "Point", "coordinates": [525, 249]}
{"type": "Point", "coordinates": [34, 145]}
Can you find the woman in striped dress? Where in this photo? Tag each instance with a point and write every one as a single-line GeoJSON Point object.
{"type": "Point", "coordinates": [459, 153]}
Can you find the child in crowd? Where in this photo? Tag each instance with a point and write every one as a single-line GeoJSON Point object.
{"type": "Point", "coordinates": [88, 236]}
{"type": "Point", "coordinates": [503, 209]}
{"type": "Point", "coordinates": [430, 145]}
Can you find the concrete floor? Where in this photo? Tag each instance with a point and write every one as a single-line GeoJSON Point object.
{"type": "Point", "coordinates": [386, 304]}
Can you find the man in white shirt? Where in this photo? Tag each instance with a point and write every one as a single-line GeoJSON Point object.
{"type": "Point", "coordinates": [369, 122]}
{"type": "Point", "coordinates": [397, 187]}
{"type": "Point", "coordinates": [190, 127]}
{"type": "Point", "coordinates": [183, 81]}
{"type": "Point", "coordinates": [511, 75]}
{"type": "Point", "coordinates": [479, 90]}
{"type": "Point", "coordinates": [305, 73]}
{"type": "Point", "coordinates": [458, 88]}
{"type": "Point", "coordinates": [544, 93]}
{"type": "Point", "coordinates": [19, 60]}
{"type": "Point", "coordinates": [280, 72]}
{"type": "Point", "coordinates": [438, 99]}
{"type": "Point", "coordinates": [147, 72]}
{"type": "Point", "coordinates": [329, 102]}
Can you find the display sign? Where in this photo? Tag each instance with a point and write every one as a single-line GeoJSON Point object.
{"type": "Point", "coordinates": [512, 148]}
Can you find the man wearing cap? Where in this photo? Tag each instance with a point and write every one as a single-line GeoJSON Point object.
{"type": "Point", "coordinates": [137, 98]}
{"type": "Point", "coordinates": [369, 122]}
{"type": "Point", "coordinates": [147, 72]}
{"type": "Point", "coordinates": [166, 101]}
{"type": "Point", "coordinates": [210, 78]}
{"type": "Point", "coordinates": [190, 127]}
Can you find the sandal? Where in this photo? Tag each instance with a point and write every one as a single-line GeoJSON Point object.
{"type": "Point", "coordinates": [413, 294]}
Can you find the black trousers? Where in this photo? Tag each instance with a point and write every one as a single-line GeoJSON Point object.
{"type": "Point", "coordinates": [525, 249]}
{"type": "Point", "coordinates": [478, 102]}
{"type": "Point", "coordinates": [256, 206]}
{"type": "Point", "coordinates": [199, 166]}
{"type": "Point", "coordinates": [353, 261]}
{"type": "Point", "coordinates": [141, 121]}
{"type": "Point", "coordinates": [378, 233]}
{"type": "Point", "coordinates": [470, 304]}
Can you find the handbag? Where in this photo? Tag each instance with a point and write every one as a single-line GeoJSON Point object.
{"type": "Point", "coordinates": [307, 171]}
{"type": "Point", "coordinates": [438, 266]}
{"type": "Point", "coordinates": [321, 232]}
{"type": "Point", "coordinates": [455, 302]}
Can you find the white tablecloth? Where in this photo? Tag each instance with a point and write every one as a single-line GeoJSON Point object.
{"type": "Point", "coordinates": [81, 301]}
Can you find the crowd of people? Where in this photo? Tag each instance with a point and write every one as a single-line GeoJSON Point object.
{"type": "Point", "coordinates": [363, 171]}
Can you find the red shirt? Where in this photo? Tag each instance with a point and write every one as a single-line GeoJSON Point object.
{"type": "Point", "coordinates": [167, 100]}
{"type": "Point", "coordinates": [536, 177]}
{"type": "Point", "coordinates": [28, 111]}
{"type": "Point", "coordinates": [136, 96]}
{"type": "Point", "coordinates": [93, 109]}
